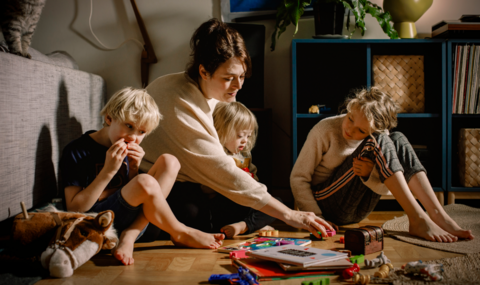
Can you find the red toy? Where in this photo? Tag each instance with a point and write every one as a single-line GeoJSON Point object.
{"type": "Point", "coordinates": [342, 240]}
{"type": "Point", "coordinates": [248, 171]}
{"type": "Point", "coordinates": [348, 273]}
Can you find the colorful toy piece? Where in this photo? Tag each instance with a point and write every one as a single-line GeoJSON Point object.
{"type": "Point", "coordinates": [357, 259]}
{"type": "Point", "coordinates": [243, 277]}
{"type": "Point", "coordinates": [348, 272]}
{"type": "Point", "coordinates": [384, 270]}
{"type": "Point", "coordinates": [342, 240]}
{"type": "Point", "coordinates": [238, 254]}
{"type": "Point", "coordinates": [433, 271]}
{"type": "Point", "coordinates": [329, 234]}
{"type": "Point", "coordinates": [321, 281]}
{"type": "Point", "coordinates": [376, 262]}
{"type": "Point", "coordinates": [359, 278]}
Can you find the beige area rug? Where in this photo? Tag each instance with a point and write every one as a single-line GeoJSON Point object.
{"type": "Point", "coordinates": [465, 216]}
{"type": "Point", "coordinates": [461, 270]}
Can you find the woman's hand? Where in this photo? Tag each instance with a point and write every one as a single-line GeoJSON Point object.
{"type": "Point", "coordinates": [362, 167]}
{"type": "Point", "coordinates": [308, 221]}
{"type": "Point", "coordinates": [115, 156]}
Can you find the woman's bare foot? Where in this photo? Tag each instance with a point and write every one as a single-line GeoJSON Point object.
{"type": "Point", "coordinates": [234, 229]}
{"type": "Point", "coordinates": [124, 249]}
{"type": "Point", "coordinates": [449, 225]}
{"type": "Point", "coordinates": [197, 239]}
{"type": "Point", "coordinates": [425, 228]}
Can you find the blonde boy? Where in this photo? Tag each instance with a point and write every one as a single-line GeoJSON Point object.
{"type": "Point", "coordinates": [100, 172]}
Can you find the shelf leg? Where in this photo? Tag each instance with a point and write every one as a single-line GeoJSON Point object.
{"type": "Point", "coordinates": [440, 197]}
{"type": "Point", "coordinates": [451, 198]}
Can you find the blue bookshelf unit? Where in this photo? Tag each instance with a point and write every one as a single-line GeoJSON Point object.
{"type": "Point", "coordinates": [455, 122]}
{"type": "Point", "coordinates": [326, 71]}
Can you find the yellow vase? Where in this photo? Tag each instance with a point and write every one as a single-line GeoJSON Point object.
{"type": "Point", "coordinates": [405, 13]}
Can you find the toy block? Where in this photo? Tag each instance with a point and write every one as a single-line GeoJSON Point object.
{"type": "Point", "coordinates": [357, 259]}
{"type": "Point", "coordinates": [321, 281]}
{"type": "Point", "coordinates": [238, 254]}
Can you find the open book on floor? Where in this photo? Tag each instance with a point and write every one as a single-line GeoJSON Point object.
{"type": "Point", "coordinates": [263, 242]}
{"type": "Point", "coordinates": [340, 264]}
{"type": "Point", "coordinates": [265, 270]}
{"type": "Point", "coordinates": [297, 255]}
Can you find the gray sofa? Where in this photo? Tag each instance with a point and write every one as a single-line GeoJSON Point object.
{"type": "Point", "coordinates": [45, 102]}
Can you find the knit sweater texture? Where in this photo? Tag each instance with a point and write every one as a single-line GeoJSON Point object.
{"type": "Point", "coordinates": [187, 132]}
{"type": "Point", "coordinates": [324, 150]}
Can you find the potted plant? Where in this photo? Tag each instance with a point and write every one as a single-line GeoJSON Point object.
{"type": "Point", "coordinates": [290, 11]}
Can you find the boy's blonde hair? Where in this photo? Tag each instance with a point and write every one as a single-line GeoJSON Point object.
{"type": "Point", "coordinates": [378, 107]}
{"type": "Point", "coordinates": [229, 118]}
{"type": "Point", "coordinates": [136, 105]}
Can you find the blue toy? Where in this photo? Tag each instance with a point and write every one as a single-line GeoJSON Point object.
{"type": "Point", "coordinates": [321, 281]}
{"type": "Point", "coordinates": [243, 277]}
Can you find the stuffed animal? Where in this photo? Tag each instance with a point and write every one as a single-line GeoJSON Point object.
{"type": "Point", "coordinates": [74, 237]}
{"type": "Point", "coordinates": [314, 109]}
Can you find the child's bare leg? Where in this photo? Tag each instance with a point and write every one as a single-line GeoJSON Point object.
{"type": "Point", "coordinates": [124, 249]}
{"type": "Point", "coordinates": [165, 172]}
{"type": "Point", "coordinates": [420, 223]}
{"type": "Point", "coordinates": [144, 189]}
{"type": "Point", "coordinates": [421, 187]}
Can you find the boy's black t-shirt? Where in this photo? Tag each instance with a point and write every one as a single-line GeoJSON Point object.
{"type": "Point", "coordinates": [82, 160]}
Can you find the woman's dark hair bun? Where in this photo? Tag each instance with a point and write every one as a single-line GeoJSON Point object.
{"type": "Point", "coordinates": [212, 44]}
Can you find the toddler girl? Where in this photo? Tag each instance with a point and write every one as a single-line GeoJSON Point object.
{"type": "Point", "coordinates": [237, 131]}
{"type": "Point", "coordinates": [349, 161]}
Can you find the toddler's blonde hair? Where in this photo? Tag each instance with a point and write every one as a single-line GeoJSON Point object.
{"type": "Point", "coordinates": [229, 118]}
{"type": "Point", "coordinates": [136, 105]}
{"type": "Point", "coordinates": [378, 107]}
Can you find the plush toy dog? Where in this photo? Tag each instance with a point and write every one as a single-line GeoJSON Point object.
{"type": "Point", "coordinates": [74, 237]}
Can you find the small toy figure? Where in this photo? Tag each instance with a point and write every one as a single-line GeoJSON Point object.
{"type": "Point", "coordinates": [243, 277]}
{"type": "Point", "coordinates": [348, 273]}
{"type": "Point", "coordinates": [431, 270]}
{"type": "Point", "coordinates": [329, 234]}
{"type": "Point", "coordinates": [384, 270]}
{"type": "Point", "coordinates": [376, 262]}
{"type": "Point", "coordinates": [314, 109]}
{"type": "Point", "coordinates": [342, 240]}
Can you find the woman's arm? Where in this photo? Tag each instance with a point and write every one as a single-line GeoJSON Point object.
{"type": "Point", "coordinates": [298, 219]}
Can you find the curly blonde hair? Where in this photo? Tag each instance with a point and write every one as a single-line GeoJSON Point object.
{"type": "Point", "coordinates": [229, 118]}
{"type": "Point", "coordinates": [136, 105]}
{"type": "Point", "coordinates": [378, 107]}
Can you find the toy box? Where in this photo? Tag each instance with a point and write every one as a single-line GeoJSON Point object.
{"type": "Point", "coordinates": [364, 240]}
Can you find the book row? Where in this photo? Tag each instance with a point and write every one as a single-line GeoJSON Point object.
{"type": "Point", "coordinates": [466, 84]}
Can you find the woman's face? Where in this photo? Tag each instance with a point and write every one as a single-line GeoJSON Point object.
{"type": "Point", "coordinates": [355, 125]}
{"type": "Point", "coordinates": [225, 82]}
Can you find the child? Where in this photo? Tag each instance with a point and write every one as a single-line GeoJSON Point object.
{"type": "Point", "coordinates": [100, 172]}
{"type": "Point", "coordinates": [237, 131]}
{"type": "Point", "coordinates": [349, 161]}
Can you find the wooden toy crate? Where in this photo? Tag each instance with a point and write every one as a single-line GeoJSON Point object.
{"type": "Point", "coordinates": [469, 157]}
{"type": "Point", "coordinates": [402, 76]}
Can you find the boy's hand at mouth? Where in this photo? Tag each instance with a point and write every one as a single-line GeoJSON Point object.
{"type": "Point", "coordinates": [135, 154]}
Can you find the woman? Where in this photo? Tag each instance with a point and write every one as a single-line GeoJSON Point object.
{"type": "Point", "coordinates": [186, 100]}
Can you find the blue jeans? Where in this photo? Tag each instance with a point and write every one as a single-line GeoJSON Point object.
{"type": "Point", "coordinates": [125, 214]}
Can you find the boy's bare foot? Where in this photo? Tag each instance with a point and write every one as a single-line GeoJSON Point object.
{"type": "Point", "coordinates": [449, 225]}
{"type": "Point", "coordinates": [197, 239]}
{"type": "Point", "coordinates": [234, 229]}
{"type": "Point", "coordinates": [124, 250]}
{"type": "Point", "coordinates": [425, 228]}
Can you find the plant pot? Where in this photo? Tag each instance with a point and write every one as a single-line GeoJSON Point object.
{"type": "Point", "coordinates": [329, 18]}
{"type": "Point", "coordinates": [405, 13]}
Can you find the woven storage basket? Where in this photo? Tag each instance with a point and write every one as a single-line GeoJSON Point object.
{"type": "Point", "coordinates": [469, 154]}
{"type": "Point", "coordinates": [403, 78]}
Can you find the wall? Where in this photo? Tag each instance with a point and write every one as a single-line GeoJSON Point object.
{"type": "Point", "coordinates": [170, 23]}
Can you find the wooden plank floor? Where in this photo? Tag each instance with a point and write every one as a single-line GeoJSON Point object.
{"type": "Point", "coordinates": [160, 262]}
